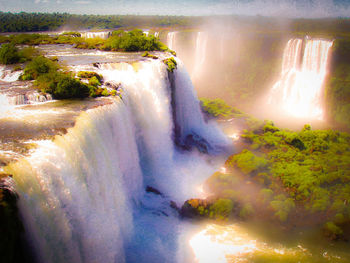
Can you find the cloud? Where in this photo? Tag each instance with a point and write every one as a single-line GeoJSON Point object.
{"type": "Point", "coordinates": [41, 1]}
{"type": "Point", "coordinates": [83, 2]}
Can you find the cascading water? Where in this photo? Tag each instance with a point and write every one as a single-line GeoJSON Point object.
{"type": "Point", "coordinates": [8, 75]}
{"type": "Point", "coordinates": [299, 89]}
{"type": "Point", "coordinates": [76, 192]}
{"type": "Point", "coordinates": [201, 46]}
{"type": "Point", "coordinates": [5, 105]}
{"type": "Point", "coordinates": [171, 40]}
{"type": "Point", "coordinates": [103, 35]}
{"type": "Point", "coordinates": [82, 195]}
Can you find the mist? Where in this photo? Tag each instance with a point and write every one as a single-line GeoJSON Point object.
{"type": "Point", "coordinates": [276, 8]}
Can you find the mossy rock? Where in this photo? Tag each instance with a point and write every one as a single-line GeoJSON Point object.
{"type": "Point", "coordinates": [171, 63]}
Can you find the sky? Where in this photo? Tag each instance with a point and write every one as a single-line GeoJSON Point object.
{"type": "Point", "coordinates": [284, 8]}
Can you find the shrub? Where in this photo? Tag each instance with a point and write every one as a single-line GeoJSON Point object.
{"type": "Point", "coordinates": [171, 63]}
{"type": "Point", "coordinates": [332, 230]}
{"type": "Point", "coordinates": [89, 75]}
{"type": "Point", "coordinates": [94, 82]}
{"type": "Point", "coordinates": [246, 211]}
{"type": "Point", "coordinates": [69, 87]}
{"type": "Point", "coordinates": [9, 54]}
{"type": "Point", "coordinates": [221, 209]}
{"type": "Point", "coordinates": [38, 66]}
{"type": "Point", "coordinates": [247, 161]}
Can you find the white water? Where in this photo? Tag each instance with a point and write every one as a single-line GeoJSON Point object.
{"type": "Point", "coordinates": [299, 90]}
{"type": "Point", "coordinates": [5, 105]}
{"type": "Point", "coordinates": [8, 75]}
{"type": "Point", "coordinates": [82, 195]}
{"type": "Point", "coordinates": [171, 40]}
{"type": "Point", "coordinates": [76, 192]}
{"type": "Point", "coordinates": [103, 35]}
{"type": "Point", "coordinates": [200, 54]}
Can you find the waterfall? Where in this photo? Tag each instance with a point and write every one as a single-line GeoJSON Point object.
{"type": "Point", "coordinates": [77, 191]}
{"type": "Point", "coordinates": [299, 90]}
{"type": "Point", "coordinates": [192, 127]}
{"type": "Point", "coordinates": [8, 75]}
{"type": "Point", "coordinates": [200, 54]}
{"type": "Point", "coordinates": [171, 40]}
{"type": "Point", "coordinates": [5, 105]}
{"type": "Point", "coordinates": [103, 35]}
{"type": "Point", "coordinates": [82, 194]}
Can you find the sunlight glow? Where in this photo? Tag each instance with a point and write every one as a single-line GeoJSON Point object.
{"type": "Point", "coordinates": [218, 243]}
{"type": "Point", "coordinates": [234, 136]}
{"type": "Point", "coordinates": [299, 90]}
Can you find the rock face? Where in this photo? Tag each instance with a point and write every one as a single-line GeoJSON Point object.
{"type": "Point", "coordinates": [194, 208]}
{"type": "Point", "coordinates": [13, 248]}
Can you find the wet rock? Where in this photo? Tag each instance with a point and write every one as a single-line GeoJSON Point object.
{"type": "Point", "coordinates": [13, 247]}
{"type": "Point", "coordinates": [150, 189]}
{"type": "Point", "coordinates": [194, 208]}
{"type": "Point", "coordinates": [174, 206]}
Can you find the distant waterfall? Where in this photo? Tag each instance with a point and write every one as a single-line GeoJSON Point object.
{"type": "Point", "coordinates": [103, 35]}
{"type": "Point", "coordinates": [80, 192]}
{"type": "Point", "coordinates": [304, 67]}
{"type": "Point", "coordinates": [171, 40]}
{"type": "Point", "coordinates": [200, 54]}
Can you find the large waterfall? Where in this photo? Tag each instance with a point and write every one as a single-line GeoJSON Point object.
{"type": "Point", "coordinates": [200, 53]}
{"type": "Point", "coordinates": [82, 195]}
{"type": "Point", "coordinates": [171, 40]}
{"type": "Point", "coordinates": [304, 67]}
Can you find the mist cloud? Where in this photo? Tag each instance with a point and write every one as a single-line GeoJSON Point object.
{"type": "Point", "coordinates": [278, 8]}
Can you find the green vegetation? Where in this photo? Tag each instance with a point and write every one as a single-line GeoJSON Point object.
{"type": "Point", "coordinates": [51, 78]}
{"type": "Point", "coordinates": [247, 161]}
{"type": "Point", "coordinates": [31, 22]}
{"type": "Point", "coordinates": [296, 178]}
{"type": "Point", "coordinates": [148, 55]}
{"type": "Point", "coordinates": [219, 209]}
{"type": "Point", "coordinates": [88, 75]}
{"type": "Point", "coordinates": [171, 63]}
{"type": "Point", "coordinates": [219, 108]}
{"type": "Point", "coordinates": [10, 54]}
{"type": "Point", "coordinates": [134, 40]}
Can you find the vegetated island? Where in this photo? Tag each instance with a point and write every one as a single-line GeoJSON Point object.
{"type": "Point", "coordinates": [294, 179]}
{"type": "Point", "coordinates": [51, 77]}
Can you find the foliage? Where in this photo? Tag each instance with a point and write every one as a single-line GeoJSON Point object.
{"type": "Point", "coordinates": [94, 82]}
{"type": "Point", "coordinates": [134, 40]}
{"type": "Point", "coordinates": [171, 64]}
{"type": "Point", "coordinates": [89, 75]}
{"type": "Point", "coordinates": [221, 209]}
{"type": "Point", "coordinates": [9, 54]}
{"type": "Point", "coordinates": [38, 66]}
{"type": "Point", "coordinates": [32, 22]}
{"type": "Point", "coordinates": [148, 55]}
{"type": "Point", "coordinates": [302, 176]}
{"type": "Point", "coordinates": [219, 108]}
{"type": "Point", "coordinates": [247, 161]}
{"type": "Point", "coordinates": [246, 211]}
{"type": "Point", "coordinates": [51, 78]}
